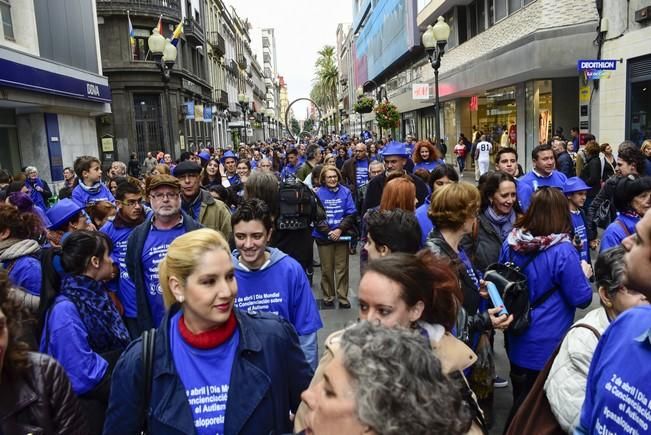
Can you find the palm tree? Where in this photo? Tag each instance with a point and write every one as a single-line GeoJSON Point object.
{"type": "Point", "coordinates": [326, 77]}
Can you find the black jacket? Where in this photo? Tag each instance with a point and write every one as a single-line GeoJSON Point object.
{"type": "Point", "coordinates": [40, 400]}
{"type": "Point", "coordinates": [476, 321]}
{"type": "Point", "coordinates": [488, 245]}
{"type": "Point", "coordinates": [565, 164]}
{"type": "Point", "coordinates": [134, 267]}
{"type": "Point", "coordinates": [591, 174]}
{"type": "Point", "coordinates": [607, 193]}
{"type": "Point", "coordinates": [376, 187]}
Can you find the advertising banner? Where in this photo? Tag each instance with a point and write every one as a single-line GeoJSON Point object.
{"type": "Point", "coordinates": [420, 91]}
{"type": "Point", "coordinates": [597, 69]}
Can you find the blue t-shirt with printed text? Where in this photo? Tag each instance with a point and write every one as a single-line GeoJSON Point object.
{"type": "Point", "coordinates": [153, 252]}
{"type": "Point", "coordinates": [579, 228]}
{"type": "Point", "coordinates": [281, 288]}
{"type": "Point", "coordinates": [618, 388]}
{"type": "Point", "coordinates": [205, 375]}
{"type": "Point", "coordinates": [338, 204]}
{"type": "Point", "coordinates": [361, 173]}
{"type": "Point", "coordinates": [123, 285]}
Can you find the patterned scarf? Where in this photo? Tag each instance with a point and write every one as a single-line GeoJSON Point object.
{"type": "Point", "coordinates": [91, 189]}
{"type": "Point", "coordinates": [502, 224]}
{"type": "Point", "coordinates": [106, 331]}
{"type": "Point", "coordinates": [523, 242]}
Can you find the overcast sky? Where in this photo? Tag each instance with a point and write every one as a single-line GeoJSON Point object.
{"type": "Point", "coordinates": [302, 27]}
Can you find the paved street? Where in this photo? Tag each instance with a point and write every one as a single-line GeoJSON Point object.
{"type": "Point", "coordinates": [335, 319]}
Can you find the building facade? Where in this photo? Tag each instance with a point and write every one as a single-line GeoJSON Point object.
{"type": "Point", "coordinates": [51, 85]}
{"type": "Point", "coordinates": [346, 87]}
{"type": "Point", "coordinates": [149, 113]}
{"type": "Point", "coordinates": [510, 66]}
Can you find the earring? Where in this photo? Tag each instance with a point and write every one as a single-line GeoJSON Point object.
{"type": "Point", "coordinates": [180, 299]}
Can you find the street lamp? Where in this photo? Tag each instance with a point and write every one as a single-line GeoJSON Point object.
{"type": "Point", "coordinates": [434, 40]}
{"type": "Point", "coordinates": [164, 54]}
{"type": "Point", "coordinates": [243, 100]}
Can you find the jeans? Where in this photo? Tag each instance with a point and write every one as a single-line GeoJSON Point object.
{"type": "Point", "coordinates": [461, 162]}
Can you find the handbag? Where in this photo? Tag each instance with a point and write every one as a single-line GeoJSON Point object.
{"type": "Point", "coordinates": [148, 343]}
{"type": "Point", "coordinates": [603, 215]}
{"type": "Point", "coordinates": [535, 414]}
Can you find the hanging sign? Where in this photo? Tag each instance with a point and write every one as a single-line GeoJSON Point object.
{"type": "Point", "coordinates": [597, 69]}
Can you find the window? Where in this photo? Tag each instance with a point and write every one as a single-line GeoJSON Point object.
{"type": "Point", "coordinates": [472, 15]}
{"type": "Point", "coordinates": [500, 9]}
{"type": "Point", "coordinates": [491, 12]}
{"type": "Point", "coordinates": [481, 15]}
{"type": "Point", "coordinates": [526, 2]}
{"type": "Point", "coordinates": [514, 5]}
{"type": "Point", "coordinates": [141, 47]}
{"type": "Point", "coordinates": [7, 23]}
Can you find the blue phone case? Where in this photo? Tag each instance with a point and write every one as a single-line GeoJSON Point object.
{"type": "Point", "coordinates": [495, 297]}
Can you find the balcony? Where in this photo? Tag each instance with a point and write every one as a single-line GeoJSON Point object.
{"type": "Point", "coordinates": [217, 42]}
{"type": "Point", "coordinates": [193, 31]}
{"type": "Point", "coordinates": [241, 61]}
{"type": "Point", "coordinates": [170, 9]}
{"type": "Point", "coordinates": [222, 98]}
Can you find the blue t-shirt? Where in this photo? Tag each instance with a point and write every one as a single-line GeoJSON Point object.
{"type": "Point", "coordinates": [25, 273]}
{"type": "Point", "coordinates": [618, 389]}
{"type": "Point", "coordinates": [615, 232]}
{"type": "Point", "coordinates": [361, 173]}
{"type": "Point", "coordinates": [429, 166]}
{"type": "Point", "coordinates": [529, 183]}
{"type": "Point", "coordinates": [281, 288]}
{"type": "Point", "coordinates": [85, 198]}
{"type": "Point", "coordinates": [579, 228]}
{"type": "Point", "coordinates": [123, 284]}
{"type": "Point", "coordinates": [153, 252]}
{"type": "Point", "coordinates": [289, 170]}
{"type": "Point", "coordinates": [338, 204]}
{"type": "Point", "coordinates": [426, 225]}
{"type": "Point", "coordinates": [206, 375]}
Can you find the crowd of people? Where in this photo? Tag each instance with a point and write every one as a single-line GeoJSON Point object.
{"type": "Point", "coordinates": [175, 296]}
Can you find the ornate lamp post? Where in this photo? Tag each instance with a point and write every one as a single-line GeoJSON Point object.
{"type": "Point", "coordinates": [164, 54]}
{"type": "Point", "coordinates": [435, 39]}
{"type": "Point", "coordinates": [243, 101]}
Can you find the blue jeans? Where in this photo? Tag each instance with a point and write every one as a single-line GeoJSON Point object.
{"type": "Point", "coordinates": [461, 162]}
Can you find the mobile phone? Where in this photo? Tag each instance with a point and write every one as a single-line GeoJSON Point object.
{"type": "Point", "coordinates": [496, 299]}
{"type": "Point", "coordinates": [345, 238]}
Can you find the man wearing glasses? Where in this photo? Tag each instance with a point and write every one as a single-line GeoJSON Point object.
{"type": "Point", "coordinates": [148, 243]}
{"type": "Point", "coordinates": [130, 214]}
{"type": "Point", "coordinates": [198, 203]}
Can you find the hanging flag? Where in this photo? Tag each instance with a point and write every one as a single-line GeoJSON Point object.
{"type": "Point", "coordinates": [132, 36]}
{"type": "Point", "coordinates": [177, 33]}
{"type": "Point", "coordinates": [159, 26]}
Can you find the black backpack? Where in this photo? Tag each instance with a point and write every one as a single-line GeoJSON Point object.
{"type": "Point", "coordinates": [513, 286]}
{"type": "Point", "coordinates": [296, 205]}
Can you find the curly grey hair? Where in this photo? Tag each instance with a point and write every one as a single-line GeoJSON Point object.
{"type": "Point", "coordinates": [398, 383]}
{"type": "Point", "coordinates": [610, 270]}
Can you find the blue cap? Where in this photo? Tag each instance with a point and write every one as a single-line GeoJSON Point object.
{"type": "Point", "coordinates": [229, 155]}
{"type": "Point", "coordinates": [575, 184]}
{"type": "Point", "coordinates": [395, 148]}
{"type": "Point", "coordinates": [61, 212]}
{"type": "Point", "coordinates": [204, 155]}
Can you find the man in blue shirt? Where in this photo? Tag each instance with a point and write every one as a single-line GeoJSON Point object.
{"type": "Point", "coordinates": [291, 166]}
{"type": "Point", "coordinates": [618, 390]}
{"type": "Point", "coordinates": [270, 280]}
{"type": "Point", "coordinates": [148, 243]}
{"type": "Point", "coordinates": [130, 214]}
{"type": "Point", "coordinates": [543, 174]}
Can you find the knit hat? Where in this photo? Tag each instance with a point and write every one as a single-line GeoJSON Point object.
{"type": "Point", "coordinates": [628, 188]}
{"type": "Point", "coordinates": [61, 213]}
{"type": "Point", "coordinates": [574, 184]}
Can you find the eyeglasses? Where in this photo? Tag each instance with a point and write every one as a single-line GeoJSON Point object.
{"type": "Point", "coordinates": [166, 195]}
{"type": "Point", "coordinates": [131, 202]}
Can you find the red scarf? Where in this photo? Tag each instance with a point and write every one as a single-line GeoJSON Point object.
{"type": "Point", "coordinates": [208, 339]}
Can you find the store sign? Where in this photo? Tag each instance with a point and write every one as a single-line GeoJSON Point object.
{"type": "Point", "coordinates": [474, 103]}
{"type": "Point", "coordinates": [597, 69]}
{"type": "Point", "coordinates": [420, 91]}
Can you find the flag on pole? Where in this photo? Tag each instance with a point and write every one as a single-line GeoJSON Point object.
{"type": "Point", "coordinates": [159, 26]}
{"type": "Point", "coordinates": [177, 34]}
{"type": "Point", "coordinates": [132, 35]}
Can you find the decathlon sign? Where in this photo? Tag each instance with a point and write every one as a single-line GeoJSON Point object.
{"type": "Point", "coordinates": [597, 69]}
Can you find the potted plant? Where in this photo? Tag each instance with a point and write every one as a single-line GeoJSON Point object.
{"type": "Point", "coordinates": [364, 105]}
{"type": "Point", "coordinates": [387, 115]}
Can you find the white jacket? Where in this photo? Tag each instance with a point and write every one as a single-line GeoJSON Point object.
{"type": "Point", "coordinates": [565, 385]}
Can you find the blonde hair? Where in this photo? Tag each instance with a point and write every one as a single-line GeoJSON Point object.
{"type": "Point", "coordinates": [453, 204]}
{"type": "Point", "coordinates": [646, 144]}
{"type": "Point", "coordinates": [183, 256]}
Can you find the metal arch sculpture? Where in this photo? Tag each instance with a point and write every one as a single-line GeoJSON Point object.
{"type": "Point", "coordinates": [289, 108]}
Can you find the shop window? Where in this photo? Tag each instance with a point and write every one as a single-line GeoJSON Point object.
{"type": "Point", "coordinates": [141, 47]}
{"type": "Point", "coordinates": [500, 9]}
{"type": "Point", "coordinates": [7, 23]}
{"type": "Point", "coordinates": [640, 118]}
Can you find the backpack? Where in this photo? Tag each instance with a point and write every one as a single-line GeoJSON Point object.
{"type": "Point", "coordinates": [535, 414]}
{"type": "Point", "coordinates": [296, 201]}
{"type": "Point", "coordinates": [513, 286]}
